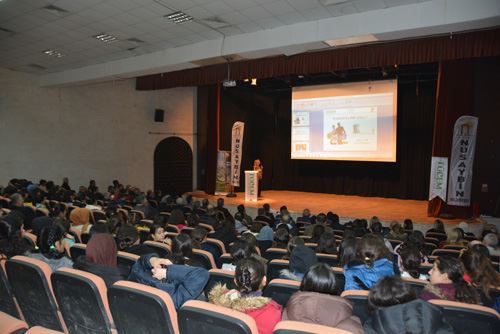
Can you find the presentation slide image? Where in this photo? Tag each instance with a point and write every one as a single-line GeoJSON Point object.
{"type": "Point", "coordinates": [300, 133]}
{"type": "Point", "coordinates": [350, 129]}
{"type": "Point", "coordinates": [300, 118]}
{"type": "Point", "coordinates": [300, 147]}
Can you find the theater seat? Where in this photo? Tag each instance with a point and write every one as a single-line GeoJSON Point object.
{"type": "Point", "coordinates": [205, 258]}
{"type": "Point", "coordinates": [42, 330]}
{"type": "Point", "coordinates": [77, 250]}
{"type": "Point", "coordinates": [329, 259]}
{"type": "Point", "coordinates": [359, 300]}
{"type": "Point", "coordinates": [339, 279]}
{"type": "Point", "coordinates": [297, 327]}
{"type": "Point", "coordinates": [219, 244]}
{"type": "Point", "coordinates": [138, 308]}
{"type": "Point", "coordinates": [226, 258]}
{"type": "Point", "coordinates": [446, 252]}
{"type": "Point", "coordinates": [159, 247]}
{"type": "Point", "coordinates": [7, 301]}
{"type": "Point", "coordinates": [275, 267]}
{"type": "Point", "coordinates": [30, 281]}
{"type": "Point", "coordinates": [274, 253]}
{"type": "Point", "coordinates": [417, 284]}
{"type": "Point", "coordinates": [126, 260]}
{"type": "Point", "coordinates": [11, 325]}
{"type": "Point", "coordinates": [469, 318]}
{"type": "Point", "coordinates": [280, 290]}
{"type": "Point", "coordinates": [219, 276]}
{"type": "Point", "coordinates": [197, 317]}
{"type": "Point", "coordinates": [83, 301]}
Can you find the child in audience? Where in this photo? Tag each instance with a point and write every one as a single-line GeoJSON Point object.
{"type": "Point", "coordinates": [181, 282]}
{"type": "Point", "coordinates": [157, 233]}
{"type": "Point", "coordinates": [51, 248]}
{"type": "Point", "coordinates": [249, 279]}
{"type": "Point", "coordinates": [411, 259]}
{"type": "Point", "coordinates": [370, 265]}
{"type": "Point", "coordinates": [101, 259]}
{"type": "Point", "coordinates": [447, 282]}
{"type": "Point", "coordinates": [396, 309]}
{"type": "Point", "coordinates": [301, 259]}
{"type": "Point", "coordinates": [316, 302]}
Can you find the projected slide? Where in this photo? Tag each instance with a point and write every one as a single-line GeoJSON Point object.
{"type": "Point", "coordinates": [355, 121]}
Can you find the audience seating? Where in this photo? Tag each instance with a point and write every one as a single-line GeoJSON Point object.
{"type": "Point", "coordinates": [30, 238]}
{"type": "Point", "coordinates": [430, 246]}
{"type": "Point", "coordinates": [207, 227]}
{"type": "Point", "coordinates": [454, 247]}
{"type": "Point", "coordinates": [85, 237]}
{"type": "Point", "coordinates": [8, 303]}
{"type": "Point", "coordinates": [42, 330]}
{"type": "Point", "coordinates": [416, 284]}
{"type": "Point", "coordinates": [437, 235]}
{"type": "Point", "coordinates": [159, 247]}
{"type": "Point", "coordinates": [306, 238]}
{"type": "Point", "coordinates": [274, 267]}
{"type": "Point", "coordinates": [264, 245]}
{"type": "Point", "coordinates": [41, 212]}
{"type": "Point", "coordinates": [30, 281]}
{"type": "Point", "coordinates": [339, 279]}
{"type": "Point", "coordinates": [329, 259]}
{"type": "Point", "coordinates": [126, 260]}
{"type": "Point", "coordinates": [424, 268]}
{"type": "Point", "coordinates": [226, 258]}
{"type": "Point", "coordinates": [219, 276]}
{"type": "Point", "coordinates": [83, 301]}
{"type": "Point", "coordinates": [187, 230]}
{"type": "Point", "coordinates": [297, 327]}
{"type": "Point", "coordinates": [434, 241]}
{"type": "Point", "coordinates": [205, 258]}
{"type": "Point", "coordinates": [172, 228]}
{"type": "Point", "coordinates": [280, 290]}
{"type": "Point", "coordinates": [274, 253]}
{"type": "Point", "coordinates": [136, 215]}
{"type": "Point", "coordinates": [219, 244]}
{"type": "Point", "coordinates": [311, 245]}
{"type": "Point", "coordinates": [197, 317]}
{"type": "Point", "coordinates": [446, 252]}
{"type": "Point", "coordinates": [77, 250]}
{"type": "Point", "coordinates": [11, 325]}
{"type": "Point", "coordinates": [146, 222]}
{"type": "Point", "coordinates": [359, 299]}
{"type": "Point", "coordinates": [77, 234]}
{"type": "Point", "coordinates": [138, 308]}
{"type": "Point", "coordinates": [97, 215]}
{"type": "Point", "coordinates": [469, 318]}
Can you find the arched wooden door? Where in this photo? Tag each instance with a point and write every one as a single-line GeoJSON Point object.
{"type": "Point", "coordinates": [173, 166]}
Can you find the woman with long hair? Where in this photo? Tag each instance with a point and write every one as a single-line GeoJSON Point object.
{"type": "Point", "coordinates": [250, 279]}
{"type": "Point", "coordinates": [327, 244]}
{"type": "Point", "coordinates": [447, 282]}
{"type": "Point", "coordinates": [370, 265]}
{"type": "Point", "coordinates": [316, 302]}
{"type": "Point", "coordinates": [51, 248]}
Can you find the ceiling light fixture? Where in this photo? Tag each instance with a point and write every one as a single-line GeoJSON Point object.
{"type": "Point", "coordinates": [179, 17]}
{"type": "Point", "coordinates": [352, 40]}
{"type": "Point", "coordinates": [106, 38]}
{"type": "Point", "coordinates": [53, 53]}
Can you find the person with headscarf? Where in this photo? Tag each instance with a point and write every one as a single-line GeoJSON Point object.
{"type": "Point", "coordinates": [101, 259]}
{"type": "Point", "coordinates": [80, 219]}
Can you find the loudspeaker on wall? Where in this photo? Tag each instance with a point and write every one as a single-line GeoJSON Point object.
{"type": "Point", "coordinates": [159, 115]}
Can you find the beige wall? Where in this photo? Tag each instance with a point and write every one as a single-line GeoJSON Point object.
{"type": "Point", "coordinates": [98, 131]}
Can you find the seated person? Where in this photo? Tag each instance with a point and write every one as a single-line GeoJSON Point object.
{"type": "Point", "coordinates": [411, 259]}
{"type": "Point", "coordinates": [447, 282]}
{"type": "Point", "coordinates": [128, 241]}
{"type": "Point", "coordinates": [51, 248]}
{"type": "Point", "coordinates": [316, 302]}
{"type": "Point", "coordinates": [294, 242]}
{"type": "Point", "coordinates": [455, 238]}
{"type": "Point", "coordinates": [396, 309]}
{"type": "Point", "coordinates": [250, 279]}
{"type": "Point", "coordinates": [327, 244]}
{"type": "Point", "coordinates": [101, 259]}
{"type": "Point", "coordinates": [301, 259]}
{"type": "Point", "coordinates": [181, 282]}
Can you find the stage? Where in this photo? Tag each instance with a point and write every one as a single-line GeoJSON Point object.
{"type": "Point", "coordinates": [347, 207]}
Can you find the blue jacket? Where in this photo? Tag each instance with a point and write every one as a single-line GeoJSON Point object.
{"type": "Point", "coordinates": [183, 283]}
{"type": "Point", "coordinates": [369, 276]}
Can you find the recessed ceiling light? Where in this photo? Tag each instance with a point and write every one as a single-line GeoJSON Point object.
{"type": "Point", "coordinates": [352, 40]}
{"type": "Point", "coordinates": [179, 17]}
{"type": "Point", "coordinates": [53, 53]}
{"type": "Point", "coordinates": [106, 38]}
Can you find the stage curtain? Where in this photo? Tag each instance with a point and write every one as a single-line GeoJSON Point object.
{"type": "Point", "coordinates": [455, 98]}
{"type": "Point", "coordinates": [418, 51]}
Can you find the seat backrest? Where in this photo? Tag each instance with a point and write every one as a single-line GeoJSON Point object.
{"type": "Point", "coordinates": [417, 284]}
{"type": "Point", "coordinates": [219, 276]}
{"type": "Point", "coordinates": [172, 228]}
{"type": "Point", "coordinates": [469, 318]}
{"type": "Point", "coordinates": [264, 245]}
{"type": "Point", "coordinates": [359, 299]}
{"type": "Point", "coordinates": [446, 252]}
{"type": "Point", "coordinates": [126, 260]}
{"type": "Point", "coordinates": [159, 247]}
{"type": "Point", "coordinates": [30, 281]}
{"type": "Point", "coordinates": [454, 247]}
{"type": "Point", "coordinates": [280, 290]}
{"type": "Point", "coordinates": [274, 267]}
{"type": "Point", "coordinates": [339, 279]}
{"type": "Point", "coordinates": [274, 253]}
{"type": "Point", "coordinates": [98, 215]}
{"type": "Point", "coordinates": [197, 317]}
{"type": "Point", "coordinates": [11, 325]}
{"type": "Point", "coordinates": [83, 301]}
{"type": "Point", "coordinates": [437, 235]}
{"type": "Point", "coordinates": [297, 327]}
{"type": "Point", "coordinates": [330, 259]}
{"type": "Point", "coordinates": [205, 258]}
{"type": "Point", "coordinates": [138, 308]}
{"type": "Point", "coordinates": [218, 243]}
{"type": "Point", "coordinates": [77, 250]}
{"type": "Point", "coordinates": [41, 330]}
{"type": "Point", "coordinates": [7, 302]}
{"type": "Point", "coordinates": [312, 245]}
{"type": "Point", "coordinates": [207, 227]}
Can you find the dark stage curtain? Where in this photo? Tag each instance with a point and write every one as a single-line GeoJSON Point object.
{"type": "Point", "coordinates": [417, 51]}
{"type": "Point", "coordinates": [267, 118]}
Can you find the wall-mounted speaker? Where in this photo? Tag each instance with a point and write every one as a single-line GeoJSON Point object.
{"type": "Point", "coordinates": [159, 113]}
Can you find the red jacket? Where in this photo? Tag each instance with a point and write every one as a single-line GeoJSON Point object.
{"type": "Point", "coordinates": [266, 317]}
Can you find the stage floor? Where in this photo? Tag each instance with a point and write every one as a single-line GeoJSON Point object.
{"type": "Point", "coordinates": [347, 207]}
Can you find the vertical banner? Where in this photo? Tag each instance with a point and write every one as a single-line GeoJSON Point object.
{"type": "Point", "coordinates": [439, 178]}
{"type": "Point", "coordinates": [223, 174]}
{"type": "Point", "coordinates": [236, 152]}
{"type": "Point", "coordinates": [462, 159]}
